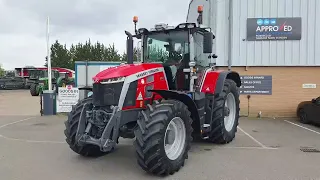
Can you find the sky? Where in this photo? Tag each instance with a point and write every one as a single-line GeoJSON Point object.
{"type": "Point", "coordinates": [23, 24]}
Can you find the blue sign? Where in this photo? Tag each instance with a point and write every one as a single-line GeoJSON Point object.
{"type": "Point", "coordinates": [256, 84]}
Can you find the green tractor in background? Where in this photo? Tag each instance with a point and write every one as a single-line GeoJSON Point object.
{"type": "Point", "coordinates": [59, 79]}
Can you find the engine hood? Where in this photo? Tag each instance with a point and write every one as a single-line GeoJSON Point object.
{"type": "Point", "coordinates": [124, 70]}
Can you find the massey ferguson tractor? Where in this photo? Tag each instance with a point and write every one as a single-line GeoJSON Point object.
{"type": "Point", "coordinates": [173, 95]}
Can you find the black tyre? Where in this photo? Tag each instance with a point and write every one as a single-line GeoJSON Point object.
{"type": "Point", "coordinates": [70, 132]}
{"type": "Point", "coordinates": [151, 132]}
{"type": "Point", "coordinates": [303, 116]}
{"type": "Point", "coordinates": [222, 131]}
{"type": "Point", "coordinates": [33, 90]}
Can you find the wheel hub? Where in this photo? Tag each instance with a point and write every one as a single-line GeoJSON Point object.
{"type": "Point", "coordinates": [226, 111]}
{"type": "Point", "coordinates": [175, 138]}
{"type": "Point", "coordinates": [170, 137]}
{"type": "Point", "coordinates": [229, 112]}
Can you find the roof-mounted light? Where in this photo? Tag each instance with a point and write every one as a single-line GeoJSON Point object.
{"type": "Point", "coordinates": [200, 9]}
{"type": "Point", "coordinates": [135, 19]}
{"type": "Point", "coordinates": [161, 26]}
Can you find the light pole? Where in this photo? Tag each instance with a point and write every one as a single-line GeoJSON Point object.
{"type": "Point", "coordinates": [49, 58]}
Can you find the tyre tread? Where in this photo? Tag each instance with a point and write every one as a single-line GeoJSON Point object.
{"type": "Point", "coordinates": [153, 122]}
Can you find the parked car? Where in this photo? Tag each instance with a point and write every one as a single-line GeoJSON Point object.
{"type": "Point", "coordinates": [309, 111]}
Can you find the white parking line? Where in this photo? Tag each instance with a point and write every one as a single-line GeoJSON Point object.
{"type": "Point", "coordinates": [239, 147]}
{"type": "Point", "coordinates": [26, 119]}
{"type": "Point", "coordinates": [26, 140]}
{"type": "Point", "coordinates": [302, 127]}
{"type": "Point", "coordinates": [254, 139]}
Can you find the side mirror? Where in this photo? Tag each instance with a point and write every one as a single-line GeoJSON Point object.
{"type": "Point", "coordinates": [207, 42]}
{"type": "Point", "coordinates": [313, 100]}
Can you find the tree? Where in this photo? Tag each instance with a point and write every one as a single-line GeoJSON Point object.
{"type": "Point", "coordinates": [2, 71]}
{"type": "Point", "coordinates": [60, 56]}
{"type": "Point", "coordinates": [137, 53]}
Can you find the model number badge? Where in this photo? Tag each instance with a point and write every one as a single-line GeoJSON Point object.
{"type": "Point", "coordinates": [152, 71]}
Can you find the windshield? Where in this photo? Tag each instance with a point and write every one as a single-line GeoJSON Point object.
{"type": "Point", "coordinates": [35, 73]}
{"type": "Point", "coordinates": [167, 47]}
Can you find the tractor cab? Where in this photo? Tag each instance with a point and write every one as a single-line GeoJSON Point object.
{"type": "Point", "coordinates": [35, 74]}
{"type": "Point", "coordinates": [182, 50]}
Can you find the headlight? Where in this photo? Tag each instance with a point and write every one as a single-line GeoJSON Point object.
{"type": "Point", "coordinates": [113, 80]}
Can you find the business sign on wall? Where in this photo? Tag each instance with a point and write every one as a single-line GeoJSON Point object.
{"type": "Point", "coordinates": [256, 84]}
{"type": "Point", "coordinates": [259, 29]}
{"type": "Point", "coordinates": [67, 97]}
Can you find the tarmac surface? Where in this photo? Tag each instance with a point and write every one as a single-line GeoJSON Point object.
{"type": "Point", "coordinates": [33, 148]}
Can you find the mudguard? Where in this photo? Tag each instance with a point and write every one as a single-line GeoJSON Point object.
{"type": "Point", "coordinates": [213, 80]}
{"type": "Point", "coordinates": [180, 96]}
{"type": "Point", "coordinates": [227, 75]}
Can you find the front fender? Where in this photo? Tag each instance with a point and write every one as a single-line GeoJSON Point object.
{"type": "Point", "coordinates": [227, 75]}
{"type": "Point", "coordinates": [214, 80]}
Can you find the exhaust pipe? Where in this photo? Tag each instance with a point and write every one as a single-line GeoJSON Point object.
{"type": "Point", "coordinates": [129, 47]}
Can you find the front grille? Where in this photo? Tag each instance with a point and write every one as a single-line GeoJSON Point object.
{"type": "Point", "coordinates": [130, 99]}
{"type": "Point", "coordinates": [106, 94]}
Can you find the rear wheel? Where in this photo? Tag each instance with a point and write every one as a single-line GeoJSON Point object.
{"type": "Point", "coordinates": [163, 137]}
{"type": "Point", "coordinates": [34, 90]}
{"type": "Point", "coordinates": [303, 116]}
{"type": "Point", "coordinates": [225, 114]}
{"type": "Point", "coordinates": [71, 129]}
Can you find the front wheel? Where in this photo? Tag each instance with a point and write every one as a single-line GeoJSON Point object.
{"type": "Point", "coordinates": [225, 114]}
{"type": "Point", "coordinates": [34, 90]}
{"type": "Point", "coordinates": [163, 137]}
{"type": "Point", "coordinates": [71, 126]}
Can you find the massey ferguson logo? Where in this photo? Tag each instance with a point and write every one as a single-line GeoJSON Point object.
{"type": "Point", "coordinates": [145, 73]}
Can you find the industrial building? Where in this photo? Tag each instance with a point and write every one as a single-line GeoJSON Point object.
{"type": "Point", "coordinates": [273, 44]}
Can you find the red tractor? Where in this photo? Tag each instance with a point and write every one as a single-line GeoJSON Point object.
{"type": "Point", "coordinates": [172, 96]}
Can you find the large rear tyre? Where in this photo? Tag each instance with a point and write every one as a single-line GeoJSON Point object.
{"type": "Point", "coordinates": [70, 132]}
{"type": "Point", "coordinates": [225, 114]}
{"type": "Point", "coordinates": [163, 137]}
{"type": "Point", "coordinates": [33, 90]}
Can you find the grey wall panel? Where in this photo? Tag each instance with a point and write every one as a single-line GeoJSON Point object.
{"type": "Point", "coordinates": [81, 75]}
{"type": "Point", "coordinates": [304, 52]}
{"type": "Point", "coordinates": [216, 15]}
{"type": "Point", "coordinates": [92, 71]}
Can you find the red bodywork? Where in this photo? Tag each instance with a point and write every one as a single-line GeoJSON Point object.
{"type": "Point", "coordinates": [210, 81]}
{"type": "Point", "coordinates": [25, 71]}
{"type": "Point", "coordinates": [131, 71]}
{"type": "Point", "coordinates": [124, 71]}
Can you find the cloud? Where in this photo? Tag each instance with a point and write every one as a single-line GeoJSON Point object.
{"type": "Point", "coordinates": [23, 24]}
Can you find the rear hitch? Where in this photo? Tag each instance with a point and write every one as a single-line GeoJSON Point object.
{"type": "Point", "coordinates": [110, 134]}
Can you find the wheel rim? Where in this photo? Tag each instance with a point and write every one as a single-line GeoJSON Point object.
{"type": "Point", "coordinates": [175, 137]}
{"type": "Point", "coordinates": [229, 112]}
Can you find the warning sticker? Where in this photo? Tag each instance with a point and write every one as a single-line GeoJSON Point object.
{"type": "Point", "coordinates": [139, 98]}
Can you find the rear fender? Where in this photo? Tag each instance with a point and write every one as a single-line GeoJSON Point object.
{"type": "Point", "coordinates": [214, 81]}
{"type": "Point", "coordinates": [183, 97]}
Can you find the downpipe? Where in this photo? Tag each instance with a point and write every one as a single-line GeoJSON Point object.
{"type": "Point", "coordinates": [109, 137]}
